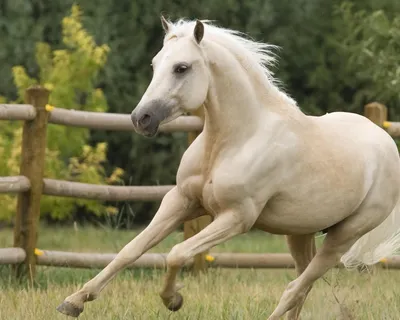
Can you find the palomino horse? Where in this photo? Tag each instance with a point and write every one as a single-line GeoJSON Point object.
{"type": "Point", "coordinates": [260, 162]}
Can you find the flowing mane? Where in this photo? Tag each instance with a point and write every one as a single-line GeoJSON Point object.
{"type": "Point", "coordinates": [255, 57]}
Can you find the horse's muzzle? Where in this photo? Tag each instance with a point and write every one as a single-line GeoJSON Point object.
{"type": "Point", "coordinates": [147, 118]}
{"type": "Point", "coordinates": [145, 124]}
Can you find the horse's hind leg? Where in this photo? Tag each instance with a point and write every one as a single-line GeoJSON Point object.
{"type": "Point", "coordinates": [302, 249]}
{"type": "Point", "coordinates": [338, 241]}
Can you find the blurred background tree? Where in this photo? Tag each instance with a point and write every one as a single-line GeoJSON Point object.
{"type": "Point", "coordinates": [69, 75]}
{"type": "Point", "coordinates": [334, 56]}
{"type": "Point", "coordinates": [372, 45]}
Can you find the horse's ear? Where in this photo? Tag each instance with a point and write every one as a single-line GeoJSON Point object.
{"type": "Point", "coordinates": [198, 31]}
{"type": "Point", "coordinates": [165, 24]}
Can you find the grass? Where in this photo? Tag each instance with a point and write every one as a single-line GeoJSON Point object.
{"type": "Point", "coordinates": [221, 294]}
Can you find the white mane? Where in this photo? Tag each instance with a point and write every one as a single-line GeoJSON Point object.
{"type": "Point", "coordinates": [256, 57]}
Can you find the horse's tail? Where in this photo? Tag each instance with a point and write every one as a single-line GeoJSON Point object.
{"type": "Point", "coordinates": [377, 244]}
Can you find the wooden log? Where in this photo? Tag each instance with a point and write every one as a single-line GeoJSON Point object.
{"type": "Point", "coordinates": [376, 112]}
{"type": "Point", "coordinates": [183, 124]}
{"type": "Point", "coordinates": [158, 260]}
{"type": "Point", "coordinates": [17, 112]}
{"type": "Point", "coordinates": [275, 261]}
{"type": "Point", "coordinates": [116, 122]}
{"type": "Point", "coordinates": [63, 188]}
{"type": "Point", "coordinates": [393, 128]}
{"type": "Point", "coordinates": [97, 260]}
{"type": "Point", "coordinates": [392, 262]}
{"type": "Point", "coordinates": [12, 255]}
{"type": "Point", "coordinates": [252, 260]}
{"type": "Point", "coordinates": [32, 167]}
{"type": "Point", "coordinates": [192, 227]}
{"type": "Point", "coordinates": [14, 184]}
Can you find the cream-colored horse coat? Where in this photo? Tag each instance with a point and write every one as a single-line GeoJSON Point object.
{"type": "Point", "coordinates": [260, 162]}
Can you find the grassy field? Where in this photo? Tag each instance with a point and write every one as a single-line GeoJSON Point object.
{"type": "Point", "coordinates": [220, 295]}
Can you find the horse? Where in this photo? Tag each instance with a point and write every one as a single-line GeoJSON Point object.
{"type": "Point", "coordinates": [259, 162]}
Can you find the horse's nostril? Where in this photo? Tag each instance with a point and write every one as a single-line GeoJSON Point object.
{"type": "Point", "coordinates": [145, 120]}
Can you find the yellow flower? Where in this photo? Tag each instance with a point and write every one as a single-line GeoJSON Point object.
{"type": "Point", "coordinates": [38, 252]}
{"type": "Point", "coordinates": [49, 108]}
{"type": "Point", "coordinates": [209, 258]}
{"type": "Point", "coordinates": [386, 124]}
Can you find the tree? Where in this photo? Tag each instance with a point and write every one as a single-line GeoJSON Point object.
{"type": "Point", "coordinates": [372, 44]}
{"type": "Point", "coordinates": [69, 74]}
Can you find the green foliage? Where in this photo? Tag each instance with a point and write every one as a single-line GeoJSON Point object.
{"type": "Point", "coordinates": [69, 74]}
{"type": "Point", "coordinates": [372, 43]}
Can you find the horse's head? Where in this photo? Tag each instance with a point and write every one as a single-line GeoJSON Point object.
{"type": "Point", "coordinates": [179, 84]}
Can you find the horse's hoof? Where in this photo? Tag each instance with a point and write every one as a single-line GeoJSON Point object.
{"type": "Point", "coordinates": [69, 309]}
{"type": "Point", "coordinates": [176, 303]}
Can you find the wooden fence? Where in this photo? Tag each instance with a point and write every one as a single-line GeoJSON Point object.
{"type": "Point", "coordinates": [30, 185]}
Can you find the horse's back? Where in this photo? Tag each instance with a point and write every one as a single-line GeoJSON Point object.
{"type": "Point", "coordinates": [379, 150]}
{"type": "Point", "coordinates": [355, 127]}
{"type": "Point", "coordinates": [345, 117]}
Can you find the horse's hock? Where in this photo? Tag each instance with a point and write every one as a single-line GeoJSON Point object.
{"type": "Point", "coordinates": [30, 185]}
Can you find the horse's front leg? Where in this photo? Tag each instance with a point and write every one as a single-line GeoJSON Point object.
{"type": "Point", "coordinates": [175, 208]}
{"type": "Point", "coordinates": [225, 226]}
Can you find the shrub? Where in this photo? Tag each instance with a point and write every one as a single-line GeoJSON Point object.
{"type": "Point", "coordinates": [69, 74]}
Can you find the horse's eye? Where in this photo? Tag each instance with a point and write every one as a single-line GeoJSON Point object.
{"type": "Point", "coordinates": [181, 68]}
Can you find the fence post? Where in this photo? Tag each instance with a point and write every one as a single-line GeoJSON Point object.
{"type": "Point", "coordinates": [194, 226]}
{"type": "Point", "coordinates": [32, 167]}
{"type": "Point", "coordinates": [376, 112]}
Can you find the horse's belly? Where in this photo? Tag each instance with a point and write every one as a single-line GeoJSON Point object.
{"type": "Point", "coordinates": [277, 223]}
{"type": "Point", "coordinates": [308, 215]}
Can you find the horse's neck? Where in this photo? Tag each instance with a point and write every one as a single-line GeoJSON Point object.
{"type": "Point", "coordinates": [235, 108]}
{"type": "Point", "coordinates": [229, 116]}
{"type": "Point", "coordinates": [229, 113]}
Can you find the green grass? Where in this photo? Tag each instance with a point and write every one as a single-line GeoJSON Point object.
{"type": "Point", "coordinates": [90, 239]}
{"type": "Point", "coordinates": [221, 294]}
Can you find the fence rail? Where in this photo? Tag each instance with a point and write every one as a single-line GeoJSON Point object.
{"type": "Point", "coordinates": [393, 128]}
{"type": "Point", "coordinates": [94, 120]}
{"type": "Point", "coordinates": [31, 184]}
{"type": "Point", "coordinates": [17, 112]}
{"type": "Point", "coordinates": [96, 260]}
{"type": "Point", "coordinates": [102, 192]}
{"type": "Point", "coordinates": [117, 122]}
{"type": "Point", "coordinates": [12, 255]}
{"type": "Point", "coordinates": [14, 184]}
{"type": "Point", "coordinates": [158, 260]}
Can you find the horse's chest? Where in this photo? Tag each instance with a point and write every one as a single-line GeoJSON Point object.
{"type": "Point", "coordinates": [197, 188]}
{"type": "Point", "coordinates": [208, 198]}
